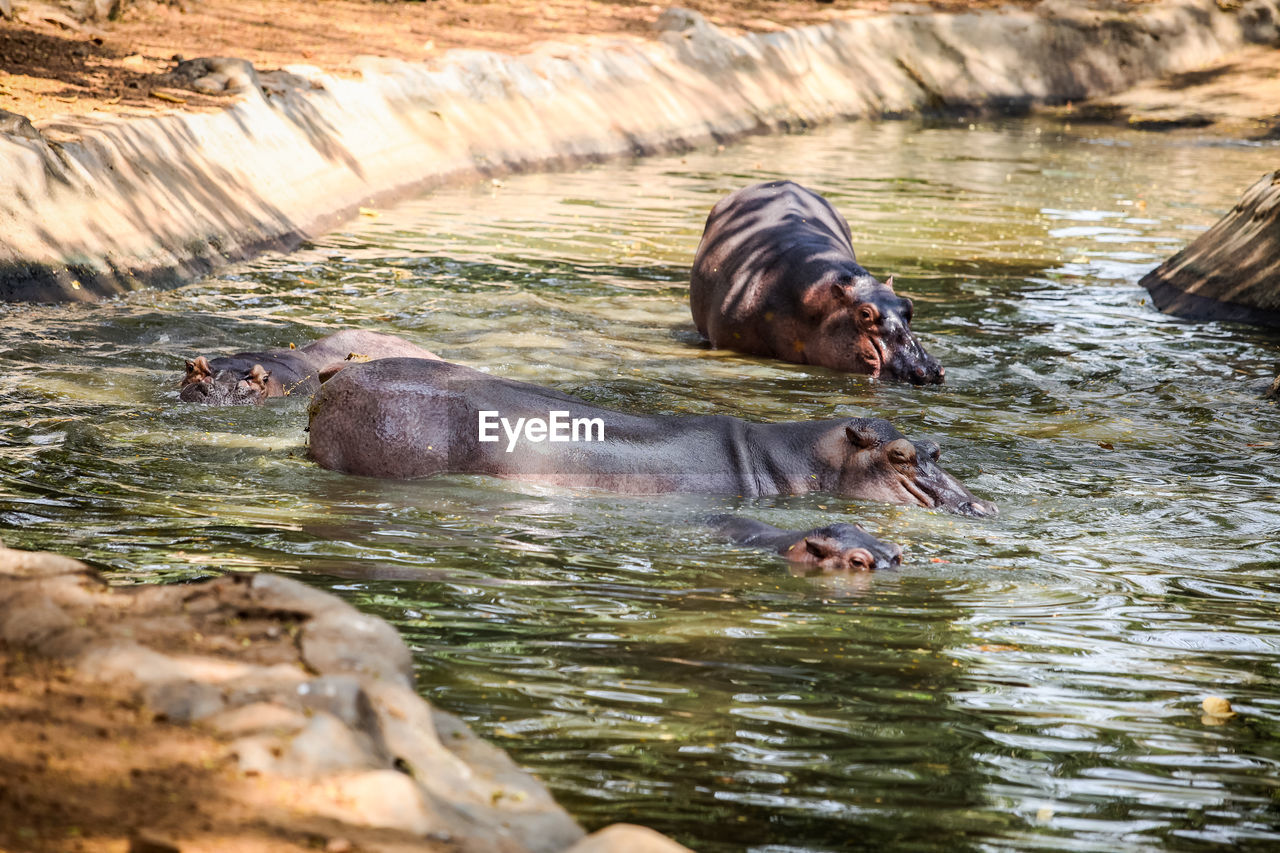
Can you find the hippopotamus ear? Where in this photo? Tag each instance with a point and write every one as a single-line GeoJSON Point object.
{"type": "Point", "coordinates": [332, 370]}
{"type": "Point", "coordinates": [197, 370]}
{"type": "Point", "coordinates": [817, 548]}
{"type": "Point", "coordinates": [842, 288]}
{"type": "Point", "coordinates": [258, 376]}
{"type": "Point", "coordinates": [861, 437]}
{"type": "Point", "coordinates": [888, 282]}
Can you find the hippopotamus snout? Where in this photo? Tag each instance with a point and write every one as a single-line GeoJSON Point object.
{"type": "Point", "coordinates": [891, 467]}
{"type": "Point", "coordinates": [907, 358]}
{"type": "Point", "coordinates": [940, 487]}
{"type": "Point", "coordinates": [977, 509]}
{"type": "Point", "coordinates": [912, 364]}
{"type": "Point", "coordinates": [890, 559]}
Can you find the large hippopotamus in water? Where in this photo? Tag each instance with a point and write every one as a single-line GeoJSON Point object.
{"type": "Point", "coordinates": [834, 549]}
{"type": "Point", "coordinates": [775, 274]}
{"type": "Point", "coordinates": [408, 418]}
{"type": "Point", "coordinates": [248, 378]}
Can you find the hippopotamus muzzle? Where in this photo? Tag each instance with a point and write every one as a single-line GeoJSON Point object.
{"type": "Point", "coordinates": [894, 468]}
{"type": "Point", "coordinates": [884, 320]}
{"type": "Point", "coordinates": [909, 362]}
{"type": "Point", "coordinates": [935, 487]}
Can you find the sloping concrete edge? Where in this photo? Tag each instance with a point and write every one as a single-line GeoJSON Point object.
{"type": "Point", "coordinates": [101, 206]}
{"type": "Point", "coordinates": [1232, 271]}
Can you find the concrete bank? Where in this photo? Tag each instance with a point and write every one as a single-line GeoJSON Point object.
{"type": "Point", "coordinates": [278, 716]}
{"type": "Point", "coordinates": [1231, 271]}
{"type": "Point", "coordinates": [94, 207]}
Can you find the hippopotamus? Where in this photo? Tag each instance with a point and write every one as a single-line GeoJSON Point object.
{"type": "Point", "coordinates": [248, 378]}
{"type": "Point", "coordinates": [775, 275]}
{"type": "Point", "coordinates": [834, 549]}
{"type": "Point", "coordinates": [407, 418]}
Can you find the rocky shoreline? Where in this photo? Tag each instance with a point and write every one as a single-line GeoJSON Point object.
{"type": "Point", "coordinates": [97, 206]}
{"type": "Point", "coordinates": [283, 718]}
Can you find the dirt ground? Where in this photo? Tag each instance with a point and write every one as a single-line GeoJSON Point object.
{"type": "Point", "coordinates": [84, 768]}
{"type": "Point", "coordinates": [48, 70]}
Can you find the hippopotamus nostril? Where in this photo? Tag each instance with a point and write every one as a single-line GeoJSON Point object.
{"type": "Point", "coordinates": [978, 509]}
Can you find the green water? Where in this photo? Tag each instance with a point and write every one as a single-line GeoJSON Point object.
{"type": "Point", "coordinates": [1026, 682]}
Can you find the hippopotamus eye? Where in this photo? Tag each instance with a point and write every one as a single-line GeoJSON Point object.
{"type": "Point", "coordinates": [867, 314]}
{"type": "Point", "coordinates": [907, 310]}
{"type": "Point", "coordinates": [901, 452]}
{"type": "Point", "coordinates": [859, 560]}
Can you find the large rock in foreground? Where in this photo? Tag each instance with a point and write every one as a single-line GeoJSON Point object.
{"type": "Point", "coordinates": [249, 712]}
{"type": "Point", "coordinates": [1231, 271]}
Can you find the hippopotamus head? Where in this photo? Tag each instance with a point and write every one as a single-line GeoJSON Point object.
{"type": "Point", "coordinates": [203, 384]}
{"type": "Point", "coordinates": [841, 548]}
{"type": "Point", "coordinates": [867, 329]}
{"type": "Point", "coordinates": [880, 463]}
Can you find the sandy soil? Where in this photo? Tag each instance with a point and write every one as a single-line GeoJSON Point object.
{"type": "Point", "coordinates": [1238, 95]}
{"type": "Point", "coordinates": [48, 70]}
{"type": "Point", "coordinates": [84, 768]}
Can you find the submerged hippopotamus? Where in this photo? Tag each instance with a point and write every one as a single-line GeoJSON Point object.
{"type": "Point", "coordinates": [775, 274]}
{"type": "Point", "coordinates": [409, 418]}
{"type": "Point", "coordinates": [248, 378]}
{"type": "Point", "coordinates": [834, 549]}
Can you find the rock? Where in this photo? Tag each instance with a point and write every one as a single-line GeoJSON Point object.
{"type": "Point", "coordinates": [325, 746]}
{"type": "Point", "coordinates": [310, 697]}
{"type": "Point", "coordinates": [349, 641]}
{"type": "Point", "coordinates": [626, 838]}
{"type": "Point", "coordinates": [18, 125]}
{"type": "Point", "coordinates": [71, 14]}
{"type": "Point", "coordinates": [385, 799]}
{"type": "Point", "coordinates": [1261, 22]}
{"type": "Point", "coordinates": [19, 129]}
{"type": "Point", "coordinates": [144, 843]}
{"type": "Point", "coordinates": [183, 701]}
{"type": "Point", "coordinates": [217, 75]}
{"type": "Point", "coordinates": [339, 695]}
{"type": "Point", "coordinates": [257, 718]}
{"type": "Point", "coordinates": [211, 84]}
{"type": "Point", "coordinates": [702, 44]}
{"type": "Point", "coordinates": [1231, 271]}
